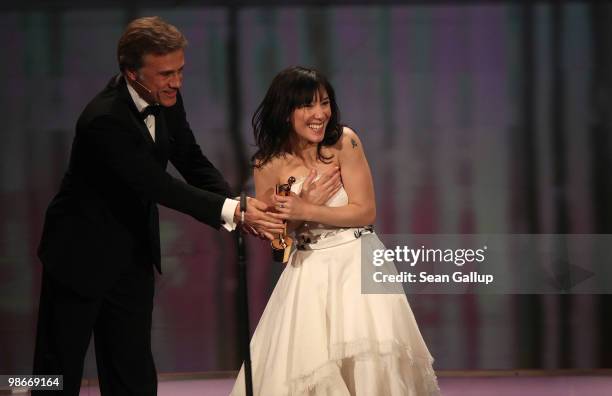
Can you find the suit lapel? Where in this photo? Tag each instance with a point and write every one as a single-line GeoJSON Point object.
{"type": "Point", "coordinates": [142, 127]}
{"type": "Point", "coordinates": [161, 137]}
{"type": "Point", "coordinates": [159, 145]}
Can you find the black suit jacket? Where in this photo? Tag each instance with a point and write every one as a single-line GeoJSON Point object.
{"type": "Point", "coordinates": [104, 218]}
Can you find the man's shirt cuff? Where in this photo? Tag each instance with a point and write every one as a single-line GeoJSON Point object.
{"type": "Point", "coordinates": [227, 214]}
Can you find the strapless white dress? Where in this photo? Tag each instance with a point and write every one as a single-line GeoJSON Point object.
{"type": "Point", "coordinates": [319, 335]}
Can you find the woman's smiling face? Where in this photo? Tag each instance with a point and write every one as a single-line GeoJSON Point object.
{"type": "Point", "coordinates": [310, 120]}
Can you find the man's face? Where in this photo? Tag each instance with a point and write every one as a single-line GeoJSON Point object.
{"type": "Point", "coordinates": [162, 75]}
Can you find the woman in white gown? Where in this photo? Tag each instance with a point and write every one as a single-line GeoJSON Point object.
{"type": "Point", "coordinates": [319, 334]}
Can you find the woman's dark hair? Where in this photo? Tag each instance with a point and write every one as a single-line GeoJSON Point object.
{"type": "Point", "coordinates": [291, 89]}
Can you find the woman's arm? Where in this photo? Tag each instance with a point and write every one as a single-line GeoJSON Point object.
{"type": "Point", "coordinates": [357, 180]}
{"type": "Point", "coordinates": [266, 179]}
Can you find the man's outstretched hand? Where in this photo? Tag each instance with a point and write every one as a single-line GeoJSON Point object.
{"type": "Point", "coordinates": [257, 222]}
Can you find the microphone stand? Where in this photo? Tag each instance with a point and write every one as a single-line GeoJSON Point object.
{"type": "Point", "coordinates": [243, 301]}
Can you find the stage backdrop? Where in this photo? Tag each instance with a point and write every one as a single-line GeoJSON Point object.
{"type": "Point", "coordinates": [461, 110]}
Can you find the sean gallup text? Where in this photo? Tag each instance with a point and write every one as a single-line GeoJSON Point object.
{"type": "Point", "coordinates": [424, 277]}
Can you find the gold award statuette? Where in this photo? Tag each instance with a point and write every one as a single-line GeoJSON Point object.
{"type": "Point", "coordinates": [281, 246]}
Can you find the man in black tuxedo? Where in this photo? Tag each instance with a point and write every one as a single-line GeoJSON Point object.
{"type": "Point", "coordinates": [101, 234]}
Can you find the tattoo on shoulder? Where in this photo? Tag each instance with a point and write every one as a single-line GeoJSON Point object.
{"type": "Point", "coordinates": [353, 142]}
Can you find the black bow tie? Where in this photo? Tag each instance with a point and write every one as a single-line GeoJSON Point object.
{"type": "Point", "coordinates": [150, 110]}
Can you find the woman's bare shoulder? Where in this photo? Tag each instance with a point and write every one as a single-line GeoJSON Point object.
{"type": "Point", "coordinates": [348, 141]}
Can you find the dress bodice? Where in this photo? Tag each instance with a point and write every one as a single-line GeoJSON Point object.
{"type": "Point", "coordinates": [311, 231]}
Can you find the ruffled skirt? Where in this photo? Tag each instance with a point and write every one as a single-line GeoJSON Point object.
{"type": "Point", "coordinates": [319, 335]}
